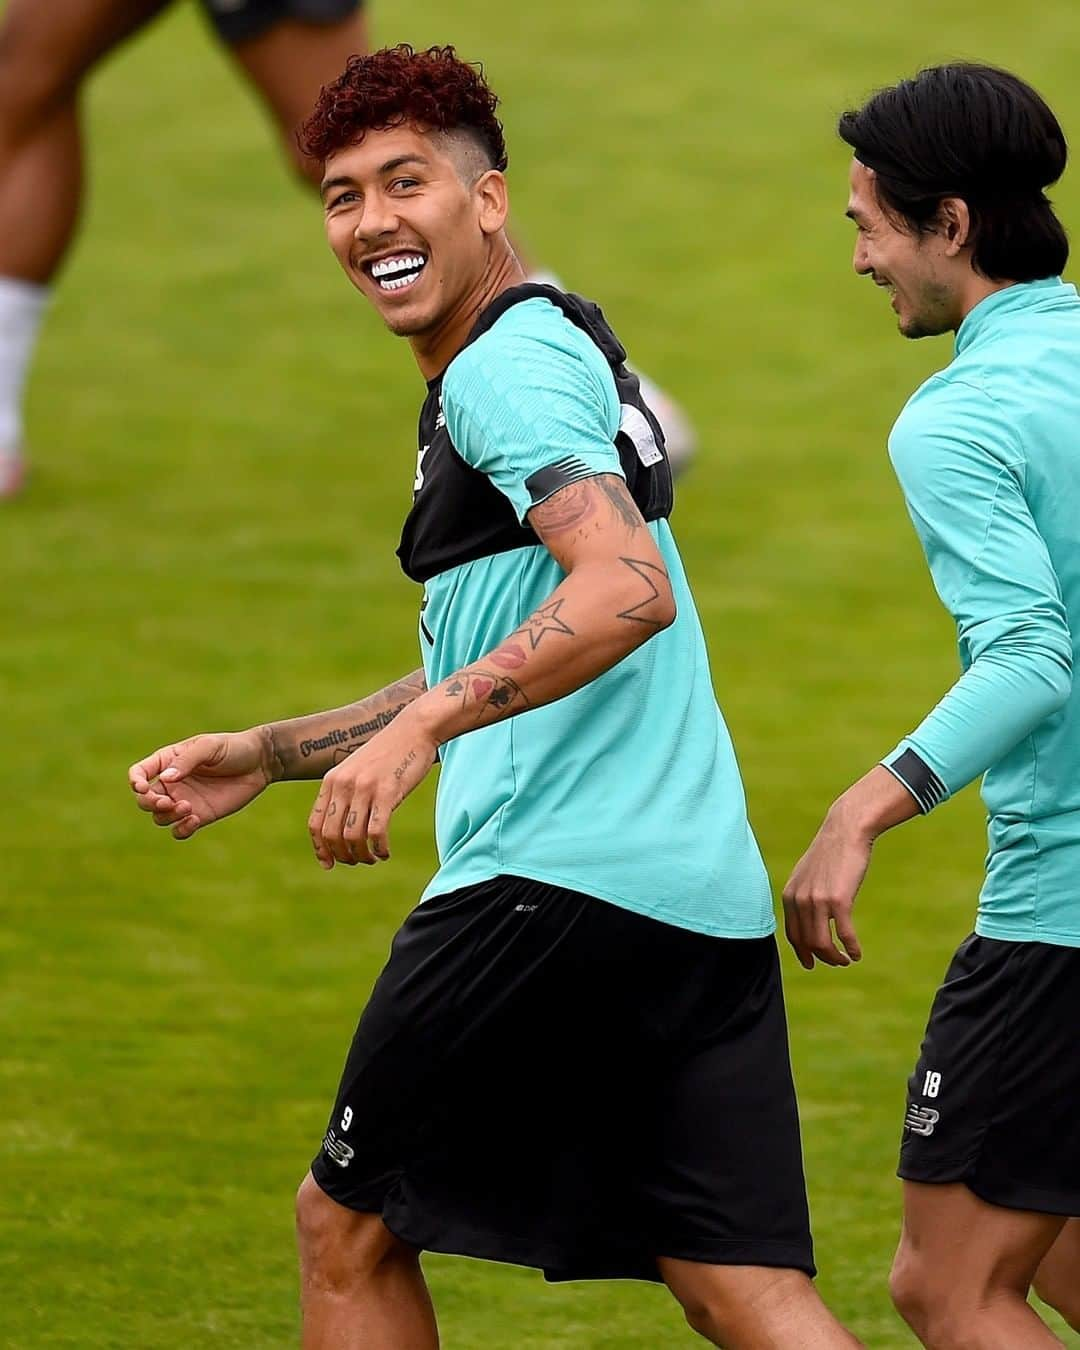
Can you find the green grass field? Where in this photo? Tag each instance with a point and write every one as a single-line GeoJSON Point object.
{"type": "Point", "coordinates": [224, 443]}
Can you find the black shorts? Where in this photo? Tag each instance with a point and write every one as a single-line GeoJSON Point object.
{"type": "Point", "coordinates": [547, 1079]}
{"type": "Point", "coordinates": [242, 20]}
{"type": "Point", "coordinates": [995, 1098]}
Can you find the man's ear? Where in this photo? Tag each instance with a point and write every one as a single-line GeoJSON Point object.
{"type": "Point", "coordinates": [493, 200]}
{"type": "Point", "coordinates": [954, 224]}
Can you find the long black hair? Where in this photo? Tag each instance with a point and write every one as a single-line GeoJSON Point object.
{"type": "Point", "coordinates": [978, 133]}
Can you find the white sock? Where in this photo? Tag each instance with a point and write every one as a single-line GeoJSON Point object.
{"type": "Point", "coordinates": [21, 306]}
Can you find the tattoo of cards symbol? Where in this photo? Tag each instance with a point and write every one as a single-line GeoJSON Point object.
{"type": "Point", "coordinates": [454, 688]}
{"type": "Point", "coordinates": [399, 772]}
{"type": "Point", "coordinates": [500, 697]}
{"type": "Point", "coordinates": [545, 620]}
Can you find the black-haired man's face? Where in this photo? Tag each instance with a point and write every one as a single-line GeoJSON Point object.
{"type": "Point", "coordinates": [913, 266]}
{"type": "Point", "coordinates": [409, 229]}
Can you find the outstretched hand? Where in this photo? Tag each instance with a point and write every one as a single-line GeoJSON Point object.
{"type": "Point", "coordinates": [195, 782]}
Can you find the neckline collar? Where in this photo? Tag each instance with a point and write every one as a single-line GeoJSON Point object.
{"type": "Point", "coordinates": [1021, 295]}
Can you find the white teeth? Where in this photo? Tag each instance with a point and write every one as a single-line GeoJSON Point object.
{"type": "Point", "coordinates": [410, 262]}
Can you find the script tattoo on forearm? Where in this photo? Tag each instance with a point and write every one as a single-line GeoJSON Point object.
{"type": "Point", "coordinates": [299, 746]}
{"type": "Point", "coordinates": [653, 577]}
{"type": "Point", "coordinates": [347, 739]}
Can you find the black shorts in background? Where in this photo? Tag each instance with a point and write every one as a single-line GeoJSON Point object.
{"type": "Point", "coordinates": [242, 20]}
{"type": "Point", "coordinates": [544, 1078]}
{"type": "Point", "coordinates": [994, 1101]}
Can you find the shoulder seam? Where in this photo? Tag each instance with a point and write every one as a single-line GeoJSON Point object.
{"type": "Point", "coordinates": [941, 377]}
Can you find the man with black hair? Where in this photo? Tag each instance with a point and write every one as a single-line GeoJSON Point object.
{"type": "Point", "coordinates": [576, 1057]}
{"type": "Point", "coordinates": [947, 196]}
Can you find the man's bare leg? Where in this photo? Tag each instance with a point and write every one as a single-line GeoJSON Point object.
{"type": "Point", "coordinates": [754, 1307]}
{"type": "Point", "coordinates": [289, 64]}
{"type": "Point", "coordinates": [45, 53]}
{"type": "Point", "coordinates": [1057, 1281]}
{"type": "Point", "coordinates": [962, 1272]}
{"type": "Point", "coordinates": [361, 1288]}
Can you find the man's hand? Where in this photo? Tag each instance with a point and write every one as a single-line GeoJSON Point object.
{"type": "Point", "coordinates": [350, 820]}
{"type": "Point", "coordinates": [820, 894]}
{"type": "Point", "coordinates": [195, 782]}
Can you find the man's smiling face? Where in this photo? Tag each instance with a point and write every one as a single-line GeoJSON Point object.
{"type": "Point", "coordinates": [407, 223]}
{"type": "Point", "coordinates": [913, 266]}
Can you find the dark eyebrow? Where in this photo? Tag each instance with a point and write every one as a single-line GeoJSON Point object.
{"type": "Point", "coordinates": [388, 167]}
{"type": "Point", "coordinates": [392, 164]}
{"type": "Point", "coordinates": [329, 183]}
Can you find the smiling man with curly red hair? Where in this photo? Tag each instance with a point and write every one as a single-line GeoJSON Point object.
{"type": "Point", "coordinates": [576, 1056]}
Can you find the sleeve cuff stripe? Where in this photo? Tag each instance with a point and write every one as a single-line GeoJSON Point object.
{"type": "Point", "coordinates": [552, 477]}
{"type": "Point", "coordinates": [919, 779]}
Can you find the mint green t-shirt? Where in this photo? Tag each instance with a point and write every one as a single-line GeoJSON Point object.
{"type": "Point", "coordinates": [627, 789]}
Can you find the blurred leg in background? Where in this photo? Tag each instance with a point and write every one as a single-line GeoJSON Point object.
{"type": "Point", "coordinates": [45, 51]}
{"type": "Point", "coordinates": [289, 49]}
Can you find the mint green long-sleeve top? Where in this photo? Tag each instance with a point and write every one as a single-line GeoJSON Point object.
{"type": "Point", "coordinates": [988, 455]}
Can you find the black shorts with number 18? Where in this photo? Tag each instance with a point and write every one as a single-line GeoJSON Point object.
{"type": "Point", "coordinates": [995, 1097]}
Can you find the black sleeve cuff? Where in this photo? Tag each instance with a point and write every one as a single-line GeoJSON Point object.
{"type": "Point", "coordinates": [919, 779]}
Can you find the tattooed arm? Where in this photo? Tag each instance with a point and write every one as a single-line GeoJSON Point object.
{"type": "Point", "coordinates": [305, 747]}
{"type": "Point", "coordinates": [204, 778]}
{"type": "Point", "coordinates": [615, 596]}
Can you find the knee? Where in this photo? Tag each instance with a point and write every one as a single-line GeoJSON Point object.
{"type": "Point", "coordinates": [33, 85]}
{"type": "Point", "coordinates": [340, 1247]}
{"type": "Point", "coordinates": [930, 1308]}
{"type": "Point", "coordinates": [908, 1291]}
{"type": "Point", "coordinates": [708, 1318]}
{"type": "Point", "coordinates": [943, 1314]}
{"type": "Point", "coordinates": [736, 1303]}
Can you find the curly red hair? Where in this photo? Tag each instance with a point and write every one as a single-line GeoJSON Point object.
{"type": "Point", "coordinates": [432, 88]}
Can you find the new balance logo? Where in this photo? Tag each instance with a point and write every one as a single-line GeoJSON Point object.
{"type": "Point", "coordinates": [337, 1150]}
{"type": "Point", "coordinates": [921, 1119]}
